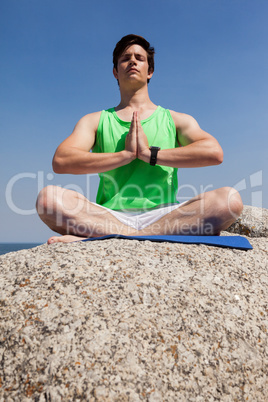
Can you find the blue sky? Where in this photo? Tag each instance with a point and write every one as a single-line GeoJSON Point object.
{"type": "Point", "coordinates": [56, 66]}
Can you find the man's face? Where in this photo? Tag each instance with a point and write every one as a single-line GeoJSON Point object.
{"type": "Point", "coordinates": [132, 65]}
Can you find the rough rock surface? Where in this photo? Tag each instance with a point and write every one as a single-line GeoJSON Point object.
{"type": "Point", "coordinates": [253, 222]}
{"type": "Point", "coordinates": [122, 320]}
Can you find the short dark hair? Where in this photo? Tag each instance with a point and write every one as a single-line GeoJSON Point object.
{"type": "Point", "coordinates": [130, 40]}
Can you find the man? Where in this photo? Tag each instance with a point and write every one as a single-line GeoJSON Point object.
{"type": "Point", "coordinates": [136, 148]}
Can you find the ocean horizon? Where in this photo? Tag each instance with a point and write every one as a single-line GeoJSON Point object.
{"type": "Point", "coordinates": [9, 247]}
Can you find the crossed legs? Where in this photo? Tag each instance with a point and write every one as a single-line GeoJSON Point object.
{"type": "Point", "coordinates": [74, 217]}
{"type": "Point", "coordinates": [70, 214]}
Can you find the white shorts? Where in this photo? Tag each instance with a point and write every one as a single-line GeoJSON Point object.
{"type": "Point", "coordinates": [140, 220]}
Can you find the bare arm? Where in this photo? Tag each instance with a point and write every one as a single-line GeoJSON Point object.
{"type": "Point", "coordinates": [73, 154]}
{"type": "Point", "coordinates": [198, 148]}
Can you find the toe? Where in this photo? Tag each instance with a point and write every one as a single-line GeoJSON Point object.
{"type": "Point", "coordinates": [52, 240]}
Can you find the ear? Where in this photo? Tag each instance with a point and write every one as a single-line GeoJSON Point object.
{"type": "Point", "coordinates": [115, 73]}
{"type": "Point", "coordinates": [150, 74]}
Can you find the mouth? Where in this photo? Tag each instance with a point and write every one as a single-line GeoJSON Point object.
{"type": "Point", "coordinates": [132, 69]}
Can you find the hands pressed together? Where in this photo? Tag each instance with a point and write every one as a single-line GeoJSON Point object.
{"type": "Point", "coordinates": [136, 140]}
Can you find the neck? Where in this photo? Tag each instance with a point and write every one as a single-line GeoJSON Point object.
{"type": "Point", "coordinates": [135, 99]}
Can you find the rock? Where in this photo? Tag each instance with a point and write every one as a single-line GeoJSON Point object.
{"type": "Point", "coordinates": [122, 320]}
{"type": "Point", "coordinates": [253, 222]}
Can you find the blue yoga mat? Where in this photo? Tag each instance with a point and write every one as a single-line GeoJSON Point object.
{"type": "Point", "coordinates": [238, 242]}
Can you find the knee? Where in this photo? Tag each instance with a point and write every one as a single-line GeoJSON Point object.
{"type": "Point", "coordinates": [232, 202]}
{"type": "Point", "coordinates": [46, 199]}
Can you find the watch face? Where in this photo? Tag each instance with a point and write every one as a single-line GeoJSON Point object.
{"type": "Point", "coordinates": [153, 158]}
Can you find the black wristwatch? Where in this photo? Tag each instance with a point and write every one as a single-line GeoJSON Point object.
{"type": "Point", "coordinates": [153, 158]}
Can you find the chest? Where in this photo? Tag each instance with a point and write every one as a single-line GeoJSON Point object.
{"type": "Point", "coordinates": [111, 136]}
{"type": "Point", "coordinates": [126, 115]}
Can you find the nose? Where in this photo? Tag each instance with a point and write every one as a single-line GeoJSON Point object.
{"type": "Point", "coordinates": [132, 60]}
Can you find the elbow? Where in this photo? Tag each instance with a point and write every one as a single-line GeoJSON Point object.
{"type": "Point", "coordinates": [57, 165]}
{"type": "Point", "coordinates": [218, 156]}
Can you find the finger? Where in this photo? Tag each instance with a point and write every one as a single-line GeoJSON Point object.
{"type": "Point", "coordinates": [132, 125]}
{"type": "Point", "coordinates": [134, 120]}
{"type": "Point", "coordinates": [139, 120]}
{"type": "Point", "coordinates": [137, 123]}
{"type": "Point", "coordinates": [137, 117]}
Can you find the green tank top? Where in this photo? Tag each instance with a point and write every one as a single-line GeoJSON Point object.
{"type": "Point", "coordinates": [137, 185]}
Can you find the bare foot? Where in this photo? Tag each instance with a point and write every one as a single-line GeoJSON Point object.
{"type": "Point", "coordinates": [64, 239]}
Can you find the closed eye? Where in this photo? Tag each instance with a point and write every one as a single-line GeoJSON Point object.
{"type": "Point", "coordinates": [139, 57]}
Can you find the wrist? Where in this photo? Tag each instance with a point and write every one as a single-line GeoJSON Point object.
{"type": "Point", "coordinates": [154, 153]}
{"type": "Point", "coordinates": [145, 155]}
{"type": "Point", "coordinates": [128, 155]}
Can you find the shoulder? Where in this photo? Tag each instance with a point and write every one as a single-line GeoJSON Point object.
{"type": "Point", "coordinates": [183, 121]}
{"type": "Point", "coordinates": [188, 130]}
{"type": "Point", "coordinates": [90, 120]}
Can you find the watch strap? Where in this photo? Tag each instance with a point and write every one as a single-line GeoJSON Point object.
{"type": "Point", "coordinates": [154, 152]}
